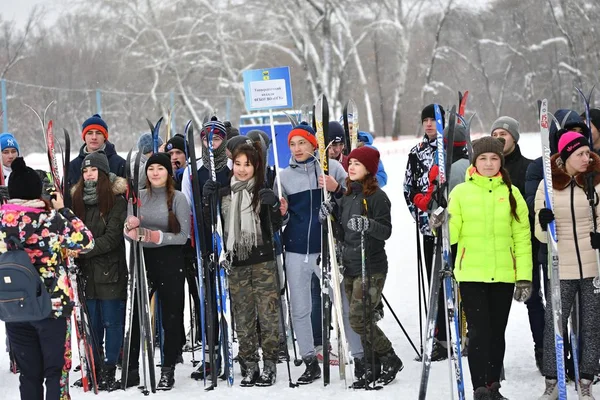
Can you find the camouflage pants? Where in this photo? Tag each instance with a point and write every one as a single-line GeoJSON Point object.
{"type": "Point", "coordinates": [253, 291]}
{"type": "Point", "coordinates": [353, 288]}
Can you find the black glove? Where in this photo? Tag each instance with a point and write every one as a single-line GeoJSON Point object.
{"type": "Point", "coordinates": [210, 188]}
{"type": "Point", "coordinates": [545, 216]}
{"type": "Point", "coordinates": [268, 197]}
{"type": "Point", "coordinates": [414, 190]}
{"type": "Point", "coordinates": [595, 240]}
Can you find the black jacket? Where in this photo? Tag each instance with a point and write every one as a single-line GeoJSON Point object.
{"type": "Point", "coordinates": [264, 252]}
{"type": "Point", "coordinates": [115, 162]}
{"type": "Point", "coordinates": [380, 228]}
{"type": "Point", "coordinates": [105, 267]}
{"type": "Point", "coordinates": [516, 164]}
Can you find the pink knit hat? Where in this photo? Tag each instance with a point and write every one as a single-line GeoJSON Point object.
{"type": "Point", "coordinates": [569, 142]}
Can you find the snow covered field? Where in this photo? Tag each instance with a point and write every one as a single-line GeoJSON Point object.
{"type": "Point", "coordinates": [523, 381]}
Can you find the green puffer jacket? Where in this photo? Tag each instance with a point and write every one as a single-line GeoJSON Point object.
{"type": "Point", "coordinates": [492, 245]}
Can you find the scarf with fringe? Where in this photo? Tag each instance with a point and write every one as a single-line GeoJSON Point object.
{"type": "Point", "coordinates": [243, 228]}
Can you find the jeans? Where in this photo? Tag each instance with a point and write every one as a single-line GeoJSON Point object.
{"type": "Point", "coordinates": [107, 318]}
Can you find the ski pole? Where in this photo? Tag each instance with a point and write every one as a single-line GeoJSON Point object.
{"type": "Point", "coordinates": [400, 324]}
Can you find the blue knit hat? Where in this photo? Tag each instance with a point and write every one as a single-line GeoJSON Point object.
{"type": "Point", "coordinates": [8, 141]}
{"type": "Point", "coordinates": [94, 122]}
{"type": "Point", "coordinates": [145, 143]}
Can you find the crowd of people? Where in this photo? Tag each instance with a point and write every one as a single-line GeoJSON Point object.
{"type": "Point", "coordinates": [497, 220]}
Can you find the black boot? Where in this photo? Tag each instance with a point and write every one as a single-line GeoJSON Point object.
{"type": "Point", "coordinates": [269, 374]}
{"type": "Point", "coordinates": [359, 373]}
{"type": "Point", "coordinates": [312, 372]}
{"type": "Point", "coordinates": [198, 374]}
{"type": "Point", "coordinates": [167, 378]}
{"type": "Point", "coordinates": [391, 366]}
{"type": "Point", "coordinates": [133, 378]}
{"type": "Point", "coordinates": [252, 374]}
{"type": "Point", "coordinates": [439, 351]}
{"type": "Point", "coordinates": [494, 390]}
{"type": "Point", "coordinates": [107, 379]}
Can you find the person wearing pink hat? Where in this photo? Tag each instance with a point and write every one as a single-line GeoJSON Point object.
{"type": "Point", "coordinates": [575, 175]}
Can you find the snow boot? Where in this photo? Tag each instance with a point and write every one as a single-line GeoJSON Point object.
{"type": "Point", "coordinates": [494, 390]}
{"type": "Point", "coordinates": [439, 352]}
{"type": "Point", "coordinates": [360, 373]}
{"type": "Point", "coordinates": [585, 388]}
{"type": "Point", "coordinates": [269, 374]}
{"type": "Point", "coordinates": [391, 366]}
{"type": "Point", "coordinates": [252, 374]}
{"type": "Point", "coordinates": [198, 374]}
{"type": "Point", "coordinates": [481, 393]}
{"type": "Point", "coordinates": [551, 392]}
{"type": "Point", "coordinates": [167, 378]}
{"type": "Point", "coordinates": [312, 372]}
{"type": "Point", "coordinates": [107, 379]}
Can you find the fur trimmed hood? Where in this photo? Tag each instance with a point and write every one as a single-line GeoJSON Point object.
{"type": "Point", "coordinates": [560, 178]}
{"type": "Point", "coordinates": [118, 185]}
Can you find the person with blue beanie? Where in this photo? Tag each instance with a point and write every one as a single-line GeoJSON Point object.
{"type": "Point", "coordinates": [10, 151]}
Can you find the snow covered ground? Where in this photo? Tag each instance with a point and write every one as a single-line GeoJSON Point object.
{"type": "Point", "coordinates": [523, 381]}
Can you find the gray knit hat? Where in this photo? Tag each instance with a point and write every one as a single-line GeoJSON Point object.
{"type": "Point", "coordinates": [96, 159]}
{"type": "Point", "coordinates": [509, 124]}
{"type": "Point", "coordinates": [488, 144]}
{"type": "Point", "coordinates": [145, 143]}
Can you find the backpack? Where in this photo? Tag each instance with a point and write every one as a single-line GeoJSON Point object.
{"type": "Point", "coordinates": [23, 294]}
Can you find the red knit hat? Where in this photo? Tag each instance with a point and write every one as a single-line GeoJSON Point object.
{"type": "Point", "coordinates": [367, 156]}
{"type": "Point", "coordinates": [306, 131]}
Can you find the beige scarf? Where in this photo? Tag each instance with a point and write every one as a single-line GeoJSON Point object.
{"type": "Point", "coordinates": [243, 228]}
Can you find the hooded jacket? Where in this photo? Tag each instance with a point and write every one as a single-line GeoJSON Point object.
{"type": "Point", "coordinates": [43, 235]}
{"type": "Point", "coordinates": [381, 175]}
{"type": "Point", "coordinates": [420, 160]}
{"type": "Point", "coordinates": [115, 162]}
{"type": "Point", "coordinates": [300, 186]}
{"type": "Point", "coordinates": [105, 267]}
{"type": "Point", "coordinates": [492, 245]}
{"type": "Point", "coordinates": [572, 217]}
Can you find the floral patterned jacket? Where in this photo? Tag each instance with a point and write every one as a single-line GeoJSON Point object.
{"type": "Point", "coordinates": [43, 235]}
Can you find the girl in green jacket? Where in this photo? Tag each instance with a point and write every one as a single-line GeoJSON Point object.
{"type": "Point", "coordinates": [488, 218]}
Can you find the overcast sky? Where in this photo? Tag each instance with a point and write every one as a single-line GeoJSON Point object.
{"type": "Point", "coordinates": [19, 9]}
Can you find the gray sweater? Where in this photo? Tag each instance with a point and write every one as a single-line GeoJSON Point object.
{"type": "Point", "coordinates": [154, 216]}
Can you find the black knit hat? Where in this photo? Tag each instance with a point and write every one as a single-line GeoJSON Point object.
{"type": "Point", "coordinates": [237, 141]}
{"type": "Point", "coordinates": [429, 112]}
{"type": "Point", "coordinates": [96, 159]}
{"type": "Point", "coordinates": [488, 144]}
{"type": "Point", "coordinates": [24, 182]}
{"type": "Point", "coordinates": [231, 130]}
{"type": "Point", "coordinates": [160, 158]}
{"type": "Point", "coordinates": [176, 142]}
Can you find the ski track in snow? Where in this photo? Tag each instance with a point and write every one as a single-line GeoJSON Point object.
{"type": "Point", "coordinates": [523, 381]}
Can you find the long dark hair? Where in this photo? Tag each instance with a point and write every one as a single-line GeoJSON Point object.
{"type": "Point", "coordinates": [511, 198]}
{"type": "Point", "coordinates": [254, 154]}
{"type": "Point", "coordinates": [173, 222]}
{"type": "Point", "coordinates": [369, 183]}
{"type": "Point", "coordinates": [106, 197]}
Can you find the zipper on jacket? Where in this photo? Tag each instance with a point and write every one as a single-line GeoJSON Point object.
{"type": "Point", "coordinates": [311, 214]}
{"type": "Point", "coordinates": [462, 256]}
{"type": "Point", "coordinates": [575, 229]}
{"type": "Point", "coordinates": [514, 259]}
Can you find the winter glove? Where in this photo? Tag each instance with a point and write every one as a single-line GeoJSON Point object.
{"type": "Point", "coordinates": [210, 188]}
{"type": "Point", "coordinates": [268, 197]}
{"type": "Point", "coordinates": [545, 216]}
{"type": "Point", "coordinates": [358, 224]}
{"type": "Point", "coordinates": [131, 222]}
{"type": "Point", "coordinates": [595, 240]}
{"type": "Point", "coordinates": [326, 210]}
{"type": "Point", "coordinates": [522, 291]}
{"type": "Point", "coordinates": [414, 191]}
{"type": "Point", "coordinates": [437, 218]}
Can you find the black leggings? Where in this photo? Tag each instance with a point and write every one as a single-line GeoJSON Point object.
{"type": "Point", "coordinates": [486, 306]}
{"type": "Point", "coordinates": [165, 267]}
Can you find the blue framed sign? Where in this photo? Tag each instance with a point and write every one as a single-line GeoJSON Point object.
{"type": "Point", "coordinates": [268, 88]}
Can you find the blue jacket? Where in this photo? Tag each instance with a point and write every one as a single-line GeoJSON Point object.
{"type": "Point", "coordinates": [300, 186]}
{"type": "Point", "coordinates": [367, 138]}
{"type": "Point", "coordinates": [115, 162]}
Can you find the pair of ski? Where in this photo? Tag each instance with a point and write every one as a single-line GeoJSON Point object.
{"type": "Point", "coordinates": [443, 272]}
{"type": "Point", "coordinates": [83, 331]}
